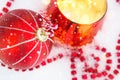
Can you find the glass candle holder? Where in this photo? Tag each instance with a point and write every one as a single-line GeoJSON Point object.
{"type": "Point", "coordinates": [78, 21]}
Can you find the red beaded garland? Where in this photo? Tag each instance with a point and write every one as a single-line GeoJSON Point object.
{"type": "Point", "coordinates": [5, 9]}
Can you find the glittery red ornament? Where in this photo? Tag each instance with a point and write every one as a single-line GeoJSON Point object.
{"type": "Point", "coordinates": [71, 33]}
{"type": "Point", "coordinates": [24, 41]}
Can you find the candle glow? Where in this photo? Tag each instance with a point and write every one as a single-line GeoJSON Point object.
{"type": "Point", "coordinates": [82, 11]}
{"type": "Point", "coordinates": [78, 20]}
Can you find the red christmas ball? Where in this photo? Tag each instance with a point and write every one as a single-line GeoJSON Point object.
{"type": "Point", "coordinates": [24, 40]}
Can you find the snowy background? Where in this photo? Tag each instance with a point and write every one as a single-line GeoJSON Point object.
{"type": "Point", "coordinates": [60, 69]}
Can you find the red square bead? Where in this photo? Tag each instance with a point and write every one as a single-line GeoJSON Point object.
{"type": "Point", "coordinates": [119, 41]}
{"type": "Point", "coordinates": [84, 76]}
{"type": "Point", "coordinates": [109, 61]}
{"type": "Point", "coordinates": [118, 60]}
{"type": "Point", "coordinates": [74, 54]}
{"type": "Point", "coordinates": [72, 66]}
{"type": "Point", "coordinates": [103, 49]}
{"type": "Point", "coordinates": [104, 73]}
{"type": "Point", "coordinates": [115, 72]}
{"type": "Point", "coordinates": [118, 47]}
{"type": "Point", "coordinates": [108, 54]}
{"type": "Point", "coordinates": [73, 72]}
{"type": "Point", "coordinates": [111, 77]}
{"type": "Point", "coordinates": [82, 58]}
{"type": "Point", "coordinates": [5, 10]}
{"type": "Point", "coordinates": [118, 54]}
{"type": "Point", "coordinates": [74, 78]}
{"type": "Point", "coordinates": [97, 59]}
{"type": "Point", "coordinates": [49, 60]}
{"type": "Point", "coordinates": [8, 4]}
{"type": "Point", "coordinates": [93, 76]}
{"type": "Point", "coordinates": [108, 67]}
{"type": "Point", "coordinates": [43, 63]}
{"type": "Point", "coordinates": [118, 66]}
